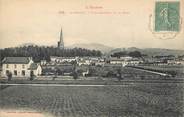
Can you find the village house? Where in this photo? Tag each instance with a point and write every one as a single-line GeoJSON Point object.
{"type": "Point", "coordinates": [179, 60]}
{"type": "Point", "coordinates": [126, 58]}
{"type": "Point", "coordinates": [83, 61]}
{"type": "Point", "coordinates": [97, 61]}
{"type": "Point", "coordinates": [100, 63]}
{"type": "Point", "coordinates": [90, 61]}
{"type": "Point", "coordinates": [20, 67]}
{"type": "Point", "coordinates": [175, 62]}
{"type": "Point", "coordinates": [115, 60]}
{"type": "Point", "coordinates": [0, 70]}
{"type": "Point", "coordinates": [55, 59]}
{"type": "Point", "coordinates": [124, 61]}
{"type": "Point", "coordinates": [43, 62]}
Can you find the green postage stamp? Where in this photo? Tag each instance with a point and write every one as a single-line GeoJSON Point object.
{"type": "Point", "coordinates": [167, 16]}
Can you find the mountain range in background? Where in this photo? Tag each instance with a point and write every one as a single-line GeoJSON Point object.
{"type": "Point", "coordinates": [146, 51]}
{"type": "Point", "coordinates": [110, 50]}
{"type": "Point", "coordinates": [93, 46]}
{"type": "Point", "coordinates": [151, 51]}
{"type": "Point", "coordinates": [27, 44]}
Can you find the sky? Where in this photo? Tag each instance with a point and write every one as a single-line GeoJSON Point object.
{"type": "Point", "coordinates": [115, 23]}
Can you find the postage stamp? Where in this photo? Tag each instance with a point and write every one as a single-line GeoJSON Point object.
{"type": "Point", "coordinates": [167, 16]}
{"type": "Point", "coordinates": [165, 22]}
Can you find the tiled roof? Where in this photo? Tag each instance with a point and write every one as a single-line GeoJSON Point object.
{"type": "Point", "coordinates": [16, 60]}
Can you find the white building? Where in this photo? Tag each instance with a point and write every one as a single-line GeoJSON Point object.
{"type": "Point", "coordinates": [43, 62]}
{"type": "Point", "coordinates": [55, 59]}
{"type": "Point", "coordinates": [118, 61]}
{"type": "Point", "coordinates": [126, 58]}
{"type": "Point", "coordinates": [83, 62]}
{"type": "Point", "coordinates": [20, 67]}
{"type": "Point", "coordinates": [90, 61]}
{"type": "Point", "coordinates": [134, 62]}
{"type": "Point", "coordinates": [125, 61]}
{"type": "Point", "coordinates": [175, 62]}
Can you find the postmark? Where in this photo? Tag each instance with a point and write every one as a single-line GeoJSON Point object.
{"type": "Point", "coordinates": [166, 21]}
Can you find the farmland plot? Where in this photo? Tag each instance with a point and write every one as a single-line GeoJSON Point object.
{"type": "Point", "coordinates": [140, 100]}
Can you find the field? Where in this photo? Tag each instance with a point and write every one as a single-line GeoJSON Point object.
{"type": "Point", "coordinates": [130, 100]}
{"type": "Point", "coordinates": [178, 70]}
{"type": "Point", "coordinates": [131, 73]}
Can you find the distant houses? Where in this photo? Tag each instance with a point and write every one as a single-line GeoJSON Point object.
{"type": "Point", "coordinates": [58, 60]}
{"type": "Point", "coordinates": [43, 62]}
{"type": "Point", "coordinates": [25, 66]}
{"type": "Point", "coordinates": [120, 61]}
{"type": "Point", "coordinates": [20, 67]}
{"type": "Point", "coordinates": [91, 61]}
{"type": "Point", "coordinates": [100, 61]}
{"type": "Point", "coordinates": [125, 61]}
{"type": "Point", "coordinates": [164, 60]}
{"type": "Point", "coordinates": [175, 62]}
{"type": "Point", "coordinates": [78, 60]}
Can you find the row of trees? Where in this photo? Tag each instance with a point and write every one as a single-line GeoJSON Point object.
{"type": "Point", "coordinates": [39, 53]}
{"type": "Point", "coordinates": [125, 53]}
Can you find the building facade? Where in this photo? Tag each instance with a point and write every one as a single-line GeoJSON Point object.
{"type": "Point", "coordinates": [20, 67]}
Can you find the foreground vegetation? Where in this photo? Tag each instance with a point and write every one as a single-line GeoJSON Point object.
{"type": "Point", "coordinates": [133, 100]}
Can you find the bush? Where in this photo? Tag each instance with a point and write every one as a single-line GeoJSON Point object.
{"type": "Point", "coordinates": [172, 73]}
{"type": "Point", "coordinates": [111, 74]}
{"type": "Point", "coordinates": [119, 76]}
{"type": "Point", "coordinates": [57, 71]}
{"type": "Point", "coordinates": [75, 75]}
{"type": "Point", "coordinates": [32, 76]}
{"type": "Point", "coordinates": [142, 77]}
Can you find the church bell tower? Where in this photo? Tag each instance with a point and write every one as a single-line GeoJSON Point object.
{"type": "Point", "coordinates": [61, 42]}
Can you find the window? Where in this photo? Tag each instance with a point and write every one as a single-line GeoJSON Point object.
{"type": "Point", "coordinates": [23, 72]}
{"type": "Point", "coordinates": [15, 72]}
{"type": "Point", "coordinates": [23, 66]}
{"type": "Point", "coordinates": [15, 66]}
{"type": "Point", "coordinates": [7, 65]}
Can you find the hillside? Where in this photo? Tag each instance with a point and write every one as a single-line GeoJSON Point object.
{"type": "Point", "coordinates": [151, 51]}
{"type": "Point", "coordinates": [93, 46]}
{"type": "Point", "coordinates": [109, 50]}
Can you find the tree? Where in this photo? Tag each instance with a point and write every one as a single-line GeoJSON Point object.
{"type": "Point", "coordinates": [135, 54]}
{"type": "Point", "coordinates": [75, 75]}
{"type": "Point", "coordinates": [40, 52]}
{"type": "Point", "coordinates": [32, 75]}
{"type": "Point", "coordinates": [9, 74]}
{"type": "Point", "coordinates": [119, 76]}
{"type": "Point", "coordinates": [142, 77]}
{"type": "Point", "coordinates": [111, 74]}
{"type": "Point", "coordinates": [56, 72]}
{"type": "Point", "coordinates": [119, 54]}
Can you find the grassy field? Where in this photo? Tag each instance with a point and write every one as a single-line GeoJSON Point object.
{"type": "Point", "coordinates": [133, 100]}
{"type": "Point", "coordinates": [177, 69]}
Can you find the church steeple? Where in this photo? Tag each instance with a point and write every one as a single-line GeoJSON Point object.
{"type": "Point", "coordinates": [61, 42]}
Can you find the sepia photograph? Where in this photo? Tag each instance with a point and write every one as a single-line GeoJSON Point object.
{"type": "Point", "coordinates": [91, 58]}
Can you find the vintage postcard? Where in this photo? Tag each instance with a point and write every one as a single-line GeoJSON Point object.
{"type": "Point", "coordinates": [91, 58]}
